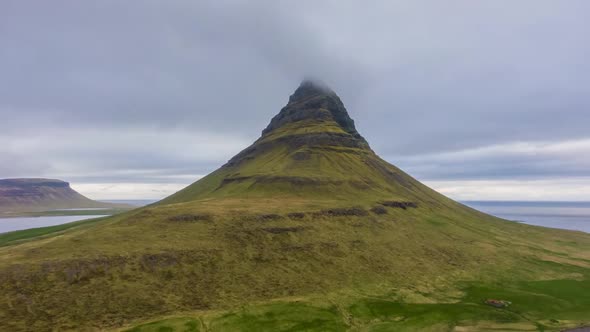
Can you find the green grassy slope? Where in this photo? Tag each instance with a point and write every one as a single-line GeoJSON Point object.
{"type": "Point", "coordinates": [306, 230]}
{"type": "Point", "coordinates": [537, 306]}
{"type": "Point", "coordinates": [215, 262]}
{"type": "Point", "coordinates": [312, 172]}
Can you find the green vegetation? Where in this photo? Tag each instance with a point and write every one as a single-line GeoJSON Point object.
{"type": "Point", "coordinates": [281, 317]}
{"type": "Point", "coordinates": [538, 306]}
{"type": "Point", "coordinates": [306, 230]}
{"type": "Point", "coordinates": [355, 267]}
{"type": "Point", "coordinates": [542, 305]}
{"type": "Point", "coordinates": [170, 325]}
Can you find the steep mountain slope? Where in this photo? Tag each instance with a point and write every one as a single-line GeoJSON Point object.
{"type": "Point", "coordinates": [307, 229]}
{"type": "Point", "coordinates": [30, 195]}
{"type": "Point", "coordinates": [311, 150]}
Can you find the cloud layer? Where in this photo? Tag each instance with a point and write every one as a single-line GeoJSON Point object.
{"type": "Point", "coordinates": [159, 93]}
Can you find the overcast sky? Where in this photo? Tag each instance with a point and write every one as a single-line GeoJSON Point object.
{"type": "Point", "coordinates": [136, 99]}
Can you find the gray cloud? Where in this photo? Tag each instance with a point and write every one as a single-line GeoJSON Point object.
{"type": "Point", "coordinates": [524, 160]}
{"type": "Point", "coordinates": [150, 91]}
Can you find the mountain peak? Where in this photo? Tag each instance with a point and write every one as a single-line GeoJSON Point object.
{"type": "Point", "coordinates": [310, 88]}
{"type": "Point", "coordinates": [314, 103]}
{"type": "Point", "coordinates": [310, 150]}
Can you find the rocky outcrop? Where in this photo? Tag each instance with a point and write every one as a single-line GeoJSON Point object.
{"type": "Point", "coordinates": [294, 142]}
{"type": "Point", "coordinates": [313, 101]}
{"type": "Point", "coordinates": [317, 105]}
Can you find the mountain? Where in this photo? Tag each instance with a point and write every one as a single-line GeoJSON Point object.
{"type": "Point", "coordinates": [34, 195]}
{"type": "Point", "coordinates": [305, 230]}
{"type": "Point", "coordinates": [310, 151]}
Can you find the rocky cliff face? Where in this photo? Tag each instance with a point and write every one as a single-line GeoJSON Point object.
{"type": "Point", "coordinates": [23, 189]}
{"type": "Point", "coordinates": [42, 194]}
{"type": "Point", "coordinates": [314, 117]}
{"type": "Point", "coordinates": [313, 101]}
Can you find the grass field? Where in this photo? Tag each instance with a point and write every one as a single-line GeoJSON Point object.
{"type": "Point", "coordinates": [230, 269]}
{"type": "Point", "coordinates": [536, 306]}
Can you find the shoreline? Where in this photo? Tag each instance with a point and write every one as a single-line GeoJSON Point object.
{"type": "Point", "coordinates": [61, 213]}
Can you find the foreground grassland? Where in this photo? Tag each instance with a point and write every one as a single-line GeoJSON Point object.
{"type": "Point", "coordinates": [214, 266]}
{"type": "Point", "coordinates": [550, 291]}
{"type": "Point", "coordinates": [537, 306]}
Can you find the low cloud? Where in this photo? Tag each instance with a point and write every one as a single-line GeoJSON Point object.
{"type": "Point", "coordinates": [569, 189]}
{"type": "Point", "coordinates": [517, 160]}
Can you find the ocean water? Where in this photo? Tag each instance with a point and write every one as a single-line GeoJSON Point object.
{"type": "Point", "coordinates": [565, 215]}
{"type": "Point", "coordinates": [20, 223]}
{"type": "Point", "coordinates": [134, 202]}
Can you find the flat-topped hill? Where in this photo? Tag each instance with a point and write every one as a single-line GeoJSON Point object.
{"type": "Point", "coordinates": [34, 195]}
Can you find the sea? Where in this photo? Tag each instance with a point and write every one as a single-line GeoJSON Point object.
{"type": "Point", "coordinates": [565, 215]}
{"type": "Point", "coordinates": [19, 223]}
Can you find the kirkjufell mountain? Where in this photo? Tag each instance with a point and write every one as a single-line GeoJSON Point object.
{"type": "Point", "coordinates": [308, 229]}
{"type": "Point", "coordinates": [310, 152]}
